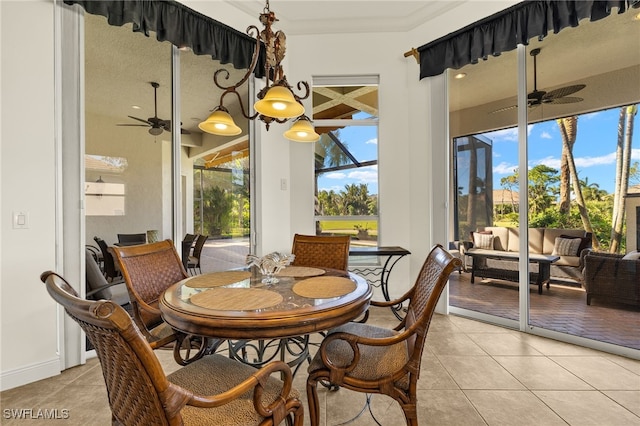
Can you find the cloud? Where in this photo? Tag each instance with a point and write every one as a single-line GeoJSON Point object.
{"type": "Point", "coordinates": [508, 135]}
{"type": "Point", "coordinates": [590, 116]}
{"type": "Point", "coordinates": [335, 175]}
{"type": "Point", "coordinates": [546, 135]}
{"type": "Point", "coordinates": [504, 168]}
{"type": "Point", "coordinates": [584, 162]}
{"type": "Point", "coordinates": [334, 188]}
{"type": "Point", "coordinates": [364, 176]}
{"type": "Point", "coordinates": [373, 141]}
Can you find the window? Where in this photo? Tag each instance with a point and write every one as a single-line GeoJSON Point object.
{"type": "Point", "coordinates": [345, 114]}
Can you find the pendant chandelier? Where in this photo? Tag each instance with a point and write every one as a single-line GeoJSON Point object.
{"type": "Point", "coordinates": [276, 101]}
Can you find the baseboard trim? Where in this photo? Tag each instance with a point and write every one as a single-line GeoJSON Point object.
{"type": "Point", "coordinates": [29, 374]}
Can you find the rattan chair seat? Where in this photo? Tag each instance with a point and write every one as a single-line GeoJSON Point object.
{"type": "Point", "coordinates": [198, 378]}
{"type": "Point", "coordinates": [376, 362]}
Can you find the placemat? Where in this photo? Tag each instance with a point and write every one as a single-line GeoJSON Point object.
{"type": "Point", "coordinates": [217, 279]}
{"type": "Point", "coordinates": [300, 271]}
{"type": "Point", "coordinates": [324, 287]}
{"type": "Point", "coordinates": [236, 299]}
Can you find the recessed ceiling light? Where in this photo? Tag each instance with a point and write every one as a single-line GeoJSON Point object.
{"type": "Point", "coordinates": [636, 17]}
{"type": "Point", "coordinates": [135, 107]}
{"type": "Point", "coordinates": [460, 75]}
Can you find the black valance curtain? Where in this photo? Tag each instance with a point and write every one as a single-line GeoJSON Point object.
{"type": "Point", "coordinates": [181, 26]}
{"type": "Point", "coordinates": [505, 30]}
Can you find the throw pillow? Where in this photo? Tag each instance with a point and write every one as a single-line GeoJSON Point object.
{"type": "Point", "coordinates": [566, 246]}
{"type": "Point", "coordinates": [632, 255]}
{"type": "Point", "coordinates": [585, 241]}
{"type": "Point", "coordinates": [483, 241]}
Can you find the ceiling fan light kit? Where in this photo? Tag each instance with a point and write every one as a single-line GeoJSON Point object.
{"type": "Point", "coordinates": [156, 125]}
{"type": "Point", "coordinates": [539, 97]}
{"type": "Point", "coordinates": [276, 101]}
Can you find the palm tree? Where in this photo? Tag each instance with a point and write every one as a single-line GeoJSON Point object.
{"type": "Point", "coordinates": [568, 127]}
{"type": "Point", "coordinates": [565, 173]}
{"type": "Point", "coordinates": [623, 163]}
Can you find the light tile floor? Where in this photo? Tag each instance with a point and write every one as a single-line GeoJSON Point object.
{"type": "Point", "coordinates": [472, 374]}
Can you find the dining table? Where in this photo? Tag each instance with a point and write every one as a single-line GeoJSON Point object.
{"type": "Point", "coordinates": [238, 306]}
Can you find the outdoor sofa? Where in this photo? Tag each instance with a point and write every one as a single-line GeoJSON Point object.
{"type": "Point", "coordinates": [567, 268]}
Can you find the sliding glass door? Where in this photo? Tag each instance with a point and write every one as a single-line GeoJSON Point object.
{"type": "Point", "coordinates": [582, 179]}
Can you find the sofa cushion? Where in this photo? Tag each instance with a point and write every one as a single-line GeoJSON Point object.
{"type": "Point", "coordinates": [500, 237]}
{"type": "Point", "coordinates": [568, 261]}
{"type": "Point", "coordinates": [536, 240]}
{"type": "Point", "coordinates": [566, 246]}
{"type": "Point", "coordinates": [550, 235]}
{"type": "Point", "coordinates": [482, 241]}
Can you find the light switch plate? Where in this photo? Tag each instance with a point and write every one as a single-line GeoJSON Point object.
{"type": "Point", "coordinates": [20, 220]}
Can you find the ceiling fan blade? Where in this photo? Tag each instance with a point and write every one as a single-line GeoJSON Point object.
{"type": "Point", "coordinates": [133, 125]}
{"type": "Point", "coordinates": [563, 91]}
{"type": "Point", "coordinates": [140, 119]}
{"type": "Point", "coordinates": [504, 109]}
{"type": "Point", "coordinates": [184, 132]}
{"type": "Point", "coordinates": [565, 100]}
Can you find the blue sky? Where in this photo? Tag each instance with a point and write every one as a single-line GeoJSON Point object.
{"type": "Point", "coordinates": [362, 142]}
{"type": "Point", "coordinates": [594, 150]}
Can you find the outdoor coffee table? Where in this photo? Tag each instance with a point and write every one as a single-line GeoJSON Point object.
{"type": "Point", "coordinates": [541, 277]}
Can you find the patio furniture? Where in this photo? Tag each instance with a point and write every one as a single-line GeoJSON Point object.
{"type": "Point", "coordinates": [371, 359]}
{"type": "Point", "coordinates": [193, 263]}
{"type": "Point", "coordinates": [540, 266]}
{"type": "Point", "coordinates": [610, 277]}
{"type": "Point", "coordinates": [108, 266]}
{"type": "Point", "coordinates": [99, 288]}
{"type": "Point", "coordinates": [541, 241]}
{"type": "Point", "coordinates": [132, 239]}
{"type": "Point", "coordinates": [214, 390]}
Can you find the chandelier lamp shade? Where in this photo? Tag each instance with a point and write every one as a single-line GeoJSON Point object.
{"type": "Point", "coordinates": [302, 131]}
{"type": "Point", "coordinates": [277, 101]}
{"type": "Point", "coordinates": [220, 123]}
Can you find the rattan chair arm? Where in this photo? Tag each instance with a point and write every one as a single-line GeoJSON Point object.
{"type": "Point", "coordinates": [388, 303]}
{"type": "Point", "coordinates": [354, 340]}
{"type": "Point", "coordinates": [279, 408]}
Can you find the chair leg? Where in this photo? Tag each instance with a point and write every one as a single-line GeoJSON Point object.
{"type": "Point", "coordinates": [410, 414]}
{"type": "Point", "coordinates": [312, 399]}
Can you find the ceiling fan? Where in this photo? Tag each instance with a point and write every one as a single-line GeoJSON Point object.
{"type": "Point", "coordinates": [539, 97]}
{"type": "Point", "coordinates": [155, 124]}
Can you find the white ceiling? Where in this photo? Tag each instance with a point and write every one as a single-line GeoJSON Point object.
{"type": "Point", "coordinates": [352, 16]}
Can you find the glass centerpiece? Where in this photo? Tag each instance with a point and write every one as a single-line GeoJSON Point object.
{"type": "Point", "coordinates": [270, 264]}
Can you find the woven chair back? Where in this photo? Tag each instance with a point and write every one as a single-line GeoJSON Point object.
{"type": "Point", "coordinates": [430, 282]}
{"type": "Point", "coordinates": [131, 372]}
{"type": "Point", "coordinates": [148, 271]}
{"type": "Point", "coordinates": [321, 251]}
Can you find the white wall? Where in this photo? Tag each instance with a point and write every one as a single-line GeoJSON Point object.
{"type": "Point", "coordinates": [28, 342]}
{"type": "Point", "coordinates": [407, 130]}
{"type": "Point", "coordinates": [147, 179]}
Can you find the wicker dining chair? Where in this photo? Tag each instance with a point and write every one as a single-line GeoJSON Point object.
{"type": "Point", "coordinates": [148, 271]}
{"type": "Point", "coordinates": [108, 263]}
{"type": "Point", "coordinates": [321, 251]}
{"type": "Point", "coordinates": [194, 260]}
{"type": "Point", "coordinates": [370, 359]}
{"type": "Point", "coordinates": [213, 390]}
